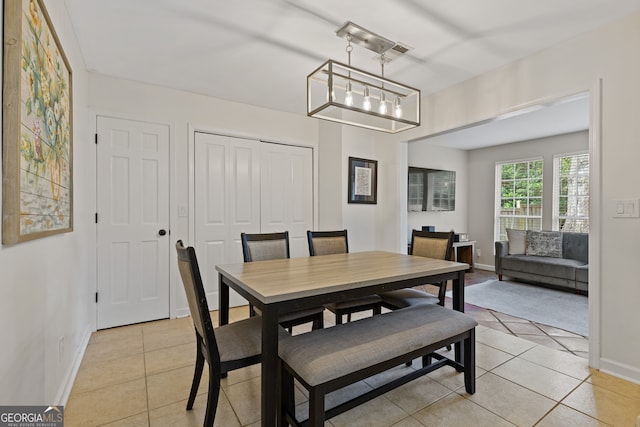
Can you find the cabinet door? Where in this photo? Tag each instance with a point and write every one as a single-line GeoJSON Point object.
{"type": "Point", "coordinates": [227, 202]}
{"type": "Point", "coordinates": [244, 185]}
{"type": "Point", "coordinates": [287, 193]}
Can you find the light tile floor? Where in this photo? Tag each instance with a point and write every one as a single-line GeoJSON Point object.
{"type": "Point", "coordinates": [140, 375]}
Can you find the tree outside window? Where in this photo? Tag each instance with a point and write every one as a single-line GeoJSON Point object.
{"type": "Point", "coordinates": [571, 193]}
{"type": "Point", "coordinates": [519, 196]}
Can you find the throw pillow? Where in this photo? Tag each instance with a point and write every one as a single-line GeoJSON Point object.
{"type": "Point", "coordinates": [516, 241]}
{"type": "Point", "coordinates": [544, 243]}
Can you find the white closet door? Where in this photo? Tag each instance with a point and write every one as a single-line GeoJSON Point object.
{"type": "Point", "coordinates": [287, 193]}
{"type": "Point", "coordinates": [227, 202]}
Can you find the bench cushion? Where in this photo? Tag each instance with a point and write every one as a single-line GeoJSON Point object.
{"type": "Point", "coordinates": [323, 355]}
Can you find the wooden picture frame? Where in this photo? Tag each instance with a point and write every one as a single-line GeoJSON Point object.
{"type": "Point", "coordinates": [363, 181]}
{"type": "Point", "coordinates": [37, 149]}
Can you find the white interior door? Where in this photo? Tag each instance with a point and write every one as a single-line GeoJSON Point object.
{"type": "Point", "coordinates": [287, 193]}
{"type": "Point", "coordinates": [227, 203]}
{"type": "Point", "coordinates": [133, 222]}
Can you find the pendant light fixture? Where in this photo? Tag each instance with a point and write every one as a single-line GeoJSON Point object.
{"type": "Point", "coordinates": [341, 93]}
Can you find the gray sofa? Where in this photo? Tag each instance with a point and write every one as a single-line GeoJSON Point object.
{"type": "Point", "coordinates": [569, 271]}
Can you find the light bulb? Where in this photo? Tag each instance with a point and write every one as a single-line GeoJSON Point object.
{"type": "Point", "coordinates": [348, 96]}
{"type": "Point", "coordinates": [382, 109]}
{"type": "Point", "coordinates": [366, 103]}
{"type": "Point", "coordinates": [398, 109]}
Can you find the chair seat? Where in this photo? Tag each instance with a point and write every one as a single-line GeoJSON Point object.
{"type": "Point", "coordinates": [240, 339]}
{"type": "Point", "coordinates": [295, 315]}
{"type": "Point", "coordinates": [354, 302]}
{"type": "Point", "coordinates": [409, 297]}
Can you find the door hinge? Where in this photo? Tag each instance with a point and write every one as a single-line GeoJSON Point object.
{"type": "Point", "coordinates": [96, 297]}
{"type": "Point", "coordinates": [96, 139]}
{"type": "Point", "coordinates": [96, 217]}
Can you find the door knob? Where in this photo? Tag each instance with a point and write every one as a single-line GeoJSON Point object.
{"type": "Point", "coordinates": [162, 232]}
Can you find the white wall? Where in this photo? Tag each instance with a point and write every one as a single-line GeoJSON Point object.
{"type": "Point", "coordinates": [482, 165]}
{"type": "Point", "coordinates": [609, 54]}
{"type": "Point", "coordinates": [330, 181]}
{"type": "Point", "coordinates": [48, 284]}
{"type": "Point", "coordinates": [422, 154]}
{"type": "Point", "coordinates": [370, 226]}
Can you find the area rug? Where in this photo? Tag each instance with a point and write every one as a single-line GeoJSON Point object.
{"type": "Point", "coordinates": [564, 310]}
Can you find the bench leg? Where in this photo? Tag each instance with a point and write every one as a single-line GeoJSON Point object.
{"type": "Point", "coordinates": [316, 408]}
{"type": "Point", "coordinates": [427, 360]}
{"type": "Point", "coordinates": [377, 309]}
{"type": "Point", "coordinates": [470, 362]}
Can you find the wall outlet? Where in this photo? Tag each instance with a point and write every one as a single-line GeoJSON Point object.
{"type": "Point", "coordinates": [478, 253]}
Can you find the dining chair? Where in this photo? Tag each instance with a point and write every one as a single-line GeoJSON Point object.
{"type": "Point", "coordinates": [266, 246]}
{"type": "Point", "coordinates": [225, 348]}
{"type": "Point", "coordinates": [336, 242]}
{"type": "Point", "coordinates": [430, 244]}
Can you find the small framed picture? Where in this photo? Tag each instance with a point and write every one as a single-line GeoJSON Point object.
{"type": "Point", "coordinates": [363, 181]}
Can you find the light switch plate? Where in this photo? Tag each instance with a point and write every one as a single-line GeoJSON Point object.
{"type": "Point", "coordinates": [626, 208]}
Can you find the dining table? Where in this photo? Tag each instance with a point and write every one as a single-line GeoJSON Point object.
{"type": "Point", "coordinates": [284, 285]}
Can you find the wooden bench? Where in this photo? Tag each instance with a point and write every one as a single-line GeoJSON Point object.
{"type": "Point", "coordinates": [332, 358]}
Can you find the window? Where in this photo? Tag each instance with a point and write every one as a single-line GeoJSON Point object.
{"type": "Point", "coordinates": [571, 193]}
{"type": "Point", "coordinates": [518, 196]}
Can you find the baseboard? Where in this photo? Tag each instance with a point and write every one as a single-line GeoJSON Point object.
{"type": "Point", "coordinates": [486, 267]}
{"type": "Point", "coordinates": [64, 391]}
{"type": "Point", "coordinates": [182, 312]}
{"type": "Point", "coordinates": [620, 370]}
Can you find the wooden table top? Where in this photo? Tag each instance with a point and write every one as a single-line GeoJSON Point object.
{"type": "Point", "coordinates": [285, 279]}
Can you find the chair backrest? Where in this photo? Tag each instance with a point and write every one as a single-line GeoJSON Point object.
{"type": "Point", "coordinates": [432, 244]}
{"type": "Point", "coordinates": [328, 242]}
{"type": "Point", "coordinates": [264, 246]}
{"type": "Point", "coordinates": [196, 297]}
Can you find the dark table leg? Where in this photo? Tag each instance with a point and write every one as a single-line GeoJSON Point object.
{"type": "Point", "coordinates": [223, 301]}
{"type": "Point", "coordinates": [270, 380]}
{"type": "Point", "coordinates": [458, 304]}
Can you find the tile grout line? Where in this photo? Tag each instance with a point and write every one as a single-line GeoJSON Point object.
{"type": "Point", "coordinates": [559, 402]}
{"type": "Point", "coordinates": [146, 380]}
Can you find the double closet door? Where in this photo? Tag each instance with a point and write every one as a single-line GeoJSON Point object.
{"type": "Point", "coordinates": [244, 185]}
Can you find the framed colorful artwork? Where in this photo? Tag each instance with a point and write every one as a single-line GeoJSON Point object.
{"type": "Point", "coordinates": [363, 181]}
{"type": "Point", "coordinates": [37, 168]}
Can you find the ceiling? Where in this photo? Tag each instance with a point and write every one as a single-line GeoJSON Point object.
{"type": "Point", "coordinates": [259, 52]}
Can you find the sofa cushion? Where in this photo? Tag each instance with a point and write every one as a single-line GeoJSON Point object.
{"type": "Point", "coordinates": [575, 246]}
{"type": "Point", "coordinates": [582, 273]}
{"type": "Point", "coordinates": [544, 243]}
{"type": "Point", "coordinates": [516, 241]}
{"type": "Point", "coordinates": [544, 266]}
